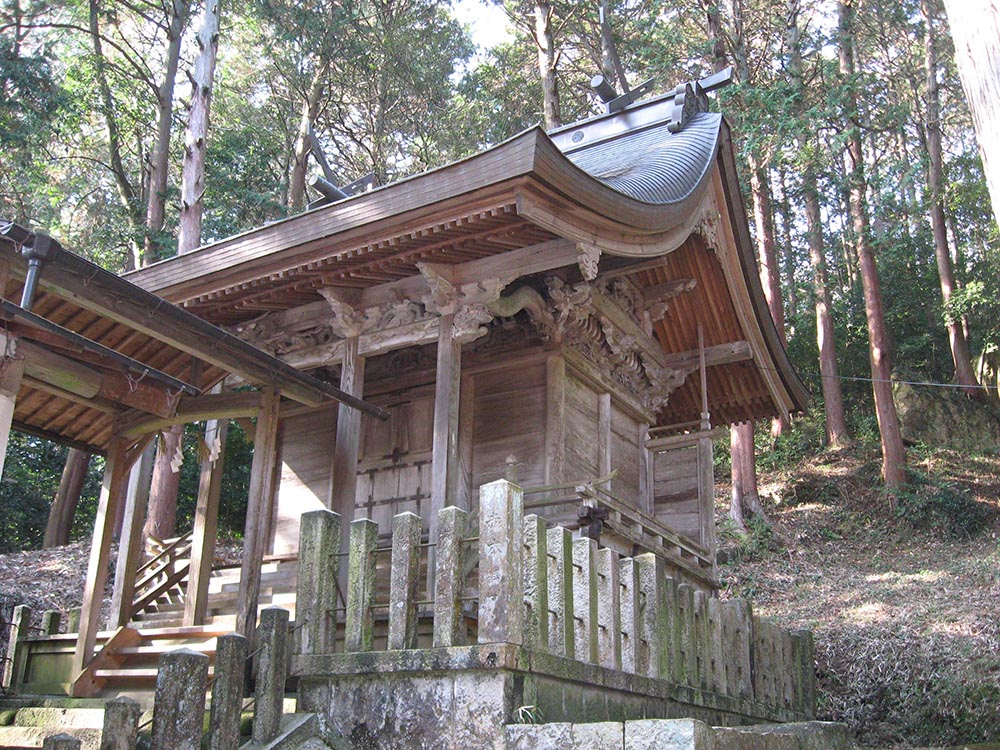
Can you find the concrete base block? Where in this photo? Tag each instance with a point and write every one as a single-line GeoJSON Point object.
{"type": "Point", "coordinates": [604, 735]}
{"type": "Point", "coordinates": [667, 734]}
{"type": "Point", "coordinates": [554, 736]}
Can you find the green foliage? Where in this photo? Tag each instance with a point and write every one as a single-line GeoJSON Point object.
{"type": "Point", "coordinates": [940, 507]}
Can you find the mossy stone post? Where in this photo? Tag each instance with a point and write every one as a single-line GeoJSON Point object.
{"type": "Point", "coordinates": [60, 742]}
{"type": "Point", "coordinates": [272, 669]}
{"type": "Point", "coordinates": [609, 609]}
{"type": "Point", "coordinates": [121, 724]}
{"type": "Point", "coordinates": [20, 628]}
{"type": "Point", "coordinates": [73, 620]}
{"type": "Point", "coordinates": [559, 543]}
{"type": "Point", "coordinates": [501, 581]}
{"type": "Point", "coordinates": [737, 619]}
{"type": "Point", "coordinates": [585, 599]}
{"type": "Point", "coordinates": [806, 669]}
{"type": "Point", "coordinates": [358, 623]}
{"type": "Point", "coordinates": [687, 654]}
{"type": "Point", "coordinates": [701, 646]}
{"type": "Point", "coordinates": [628, 576]}
{"type": "Point", "coordinates": [449, 629]}
{"type": "Point", "coordinates": [787, 668]}
{"type": "Point", "coordinates": [403, 577]}
{"type": "Point", "coordinates": [652, 631]}
{"type": "Point", "coordinates": [316, 586]}
{"type": "Point", "coordinates": [227, 692]}
{"type": "Point", "coordinates": [761, 660]}
{"type": "Point", "coordinates": [673, 632]}
{"type": "Point", "coordinates": [179, 704]}
{"type": "Point", "coordinates": [716, 650]}
{"type": "Point", "coordinates": [51, 620]}
{"type": "Point", "coordinates": [536, 584]}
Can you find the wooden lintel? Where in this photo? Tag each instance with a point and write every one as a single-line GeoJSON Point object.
{"type": "Point", "coordinates": [369, 344]}
{"type": "Point", "coordinates": [192, 409]}
{"type": "Point", "coordinates": [668, 290]}
{"type": "Point", "coordinates": [96, 403]}
{"type": "Point", "coordinates": [659, 445]}
{"type": "Point", "coordinates": [628, 325]}
{"type": "Point", "coordinates": [720, 354]}
{"type": "Point", "coordinates": [62, 372]}
{"type": "Point", "coordinates": [55, 437]}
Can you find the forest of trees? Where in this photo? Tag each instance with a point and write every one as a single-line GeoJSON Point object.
{"type": "Point", "coordinates": [870, 209]}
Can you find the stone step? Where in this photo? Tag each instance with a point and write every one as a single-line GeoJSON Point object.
{"type": "Point", "coordinates": [50, 716]}
{"type": "Point", "coordinates": [33, 737]}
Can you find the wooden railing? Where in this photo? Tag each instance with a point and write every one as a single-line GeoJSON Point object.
{"type": "Point", "coordinates": [540, 588]}
{"type": "Point", "coordinates": [162, 574]}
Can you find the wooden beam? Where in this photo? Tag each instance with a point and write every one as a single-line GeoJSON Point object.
{"type": "Point", "coordinates": [97, 403]}
{"type": "Point", "coordinates": [624, 322]}
{"type": "Point", "coordinates": [60, 371]}
{"type": "Point", "coordinates": [262, 485]}
{"type": "Point", "coordinates": [11, 372]}
{"type": "Point", "coordinates": [112, 495]}
{"type": "Point", "coordinates": [720, 354]}
{"type": "Point", "coordinates": [55, 437]}
{"type": "Point", "coordinates": [206, 524]}
{"type": "Point", "coordinates": [193, 409]}
{"type": "Point", "coordinates": [130, 543]}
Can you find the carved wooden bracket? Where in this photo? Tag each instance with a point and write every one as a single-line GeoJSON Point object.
{"type": "Point", "coordinates": [588, 257]}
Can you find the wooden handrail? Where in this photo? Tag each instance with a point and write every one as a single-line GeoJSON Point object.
{"type": "Point", "coordinates": [186, 538]}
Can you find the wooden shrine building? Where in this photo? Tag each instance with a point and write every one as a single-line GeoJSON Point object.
{"type": "Point", "coordinates": [573, 311]}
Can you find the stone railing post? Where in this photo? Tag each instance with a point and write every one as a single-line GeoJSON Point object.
{"type": "Point", "coordinates": [651, 634]}
{"type": "Point", "coordinates": [51, 620]}
{"type": "Point", "coordinates": [403, 578]}
{"type": "Point", "coordinates": [674, 632]}
{"type": "Point", "coordinates": [805, 667]}
{"type": "Point", "coordinates": [628, 576]}
{"type": "Point", "coordinates": [227, 691]}
{"type": "Point", "coordinates": [60, 742]}
{"type": "Point", "coordinates": [536, 584]}
{"type": "Point", "coordinates": [687, 652]}
{"type": "Point", "coordinates": [121, 724]}
{"type": "Point", "coordinates": [179, 703]}
{"type": "Point", "coordinates": [501, 582]}
{"type": "Point", "coordinates": [449, 628]}
{"type": "Point", "coordinates": [559, 543]}
{"type": "Point", "coordinates": [20, 625]}
{"type": "Point", "coordinates": [700, 638]}
{"type": "Point", "coordinates": [272, 669]}
{"type": "Point", "coordinates": [316, 587]}
{"type": "Point", "coordinates": [737, 624]}
{"type": "Point", "coordinates": [763, 661]}
{"type": "Point", "coordinates": [716, 649]}
{"type": "Point", "coordinates": [358, 623]}
{"type": "Point", "coordinates": [585, 599]}
{"type": "Point", "coordinates": [73, 620]}
{"type": "Point", "coordinates": [609, 610]}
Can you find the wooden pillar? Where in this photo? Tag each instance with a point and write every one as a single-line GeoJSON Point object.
{"type": "Point", "coordinates": [646, 475]}
{"type": "Point", "coordinates": [11, 371]}
{"type": "Point", "coordinates": [130, 544]}
{"type": "Point", "coordinates": [112, 494]}
{"type": "Point", "coordinates": [555, 408]}
{"type": "Point", "coordinates": [604, 435]}
{"type": "Point", "coordinates": [344, 482]}
{"type": "Point", "coordinates": [206, 524]}
{"type": "Point", "coordinates": [262, 475]}
{"type": "Point", "coordinates": [444, 457]}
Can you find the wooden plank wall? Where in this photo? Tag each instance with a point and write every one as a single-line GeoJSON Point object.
{"type": "Point", "coordinates": [675, 491]}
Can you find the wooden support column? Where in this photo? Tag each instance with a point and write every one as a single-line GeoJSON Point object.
{"type": "Point", "coordinates": [344, 482]}
{"type": "Point", "coordinates": [112, 494]}
{"type": "Point", "coordinates": [706, 465]}
{"type": "Point", "coordinates": [11, 371]}
{"type": "Point", "coordinates": [130, 543]}
{"type": "Point", "coordinates": [262, 476]}
{"type": "Point", "coordinates": [444, 457]}
{"type": "Point", "coordinates": [206, 524]}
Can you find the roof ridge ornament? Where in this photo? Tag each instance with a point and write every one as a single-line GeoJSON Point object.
{"type": "Point", "coordinates": [692, 97]}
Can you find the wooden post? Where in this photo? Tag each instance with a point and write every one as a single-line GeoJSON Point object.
{"type": "Point", "coordinates": [403, 580]}
{"type": "Point", "coordinates": [646, 477]}
{"type": "Point", "coordinates": [130, 543]}
{"type": "Point", "coordinates": [604, 435]}
{"type": "Point", "coordinates": [555, 420]}
{"type": "Point", "coordinates": [444, 446]}
{"type": "Point", "coordinates": [501, 585]}
{"type": "Point", "coordinates": [536, 585]}
{"type": "Point", "coordinates": [272, 669]}
{"type": "Point", "coordinates": [358, 627]}
{"type": "Point", "coordinates": [628, 575]}
{"type": "Point", "coordinates": [227, 692]}
{"type": "Point", "coordinates": [179, 704]}
{"type": "Point", "coordinates": [206, 524]}
{"type": "Point", "coordinates": [11, 371]}
{"type": "Point", "coordinates": [559, 542]}
{"type": "Point", "coordinates": [112, 493]}
{"type": "Point", "coordinates": [344, 480]}
{"type": "Point", "coordinates": [20, 625]}
{"type": "Point", "coordinates": [121, 724]}
{"type": "Point", "coordinates": [262, 476]}
{"type": "Point", "coordinates": [316, 585]}
{"type": "Point", "coordinates": [609, 609]}
{"type": "Point", "coordinates": [449, 629]}
{"type": "Point", "coordinates": [585, 599]}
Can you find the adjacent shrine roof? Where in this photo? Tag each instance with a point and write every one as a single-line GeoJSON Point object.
{"type": "Point", "coordinates": [652, 191]}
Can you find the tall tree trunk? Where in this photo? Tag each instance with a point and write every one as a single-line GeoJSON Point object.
{"type": "Point", "coordinates": [960, 355]}
{"type": "Point", "coordinates": [161, 518]}
{"type": "Point", "coordinates": [67, 498]}
{"type": "Point", "coordinates": [744, 497]}
{"type": "Point", "coordinates": [837, 434]}
{"type": "Point", "coordinates": [893, 453]}
{"type": "Point", "coordinates": [126, 191]}
{"type": "Point", "coordinates": [788, 259]}
{"type": "Point", "coordinates": [975, 28]}
{"type": "Point", "coordinates": [547, 63]}
{"type": "Point", "coordinates": [156, 205]}
{"type": "Point", "coordinates": [300, 165]}
{"type": "Point", "coordinates": [196, 135]}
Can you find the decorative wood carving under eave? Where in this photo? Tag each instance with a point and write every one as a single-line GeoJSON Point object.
{"type": "Point", "coordinates": [709, 229]}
